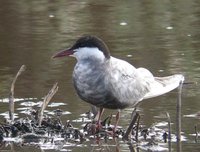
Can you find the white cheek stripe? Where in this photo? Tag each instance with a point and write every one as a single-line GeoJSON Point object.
{"type": "Point", "coordinates": [86, 52]}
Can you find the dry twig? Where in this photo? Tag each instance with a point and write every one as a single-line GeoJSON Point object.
{"type": "Point", "coordinates": [178, 117]}
{"type": "Point", "coordinates": [46, 100]}
{"type": "Point", "coordinates": [11, 95]}
{"type": "Point", "coordinates": [178, 113]}
{"type": "Point", "coordinates": [169, 131]}
{"type": "Point", "coordinates": [130, 127]}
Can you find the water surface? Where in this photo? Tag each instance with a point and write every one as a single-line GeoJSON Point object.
{"type": "Point", "coordinates": [162, 36]}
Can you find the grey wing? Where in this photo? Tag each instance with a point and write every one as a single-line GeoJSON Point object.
{"type": "Point", "coordinates": [130, 85]}
{"type": "Point", "coordinates": [162, 85]}
{"type": "Point", "coordinates": [159, 85]}
{"type": "Point", "coordinates": [126, 84]}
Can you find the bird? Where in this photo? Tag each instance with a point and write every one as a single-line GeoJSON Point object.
{"type": "Point", "coordinates": [108, 82]}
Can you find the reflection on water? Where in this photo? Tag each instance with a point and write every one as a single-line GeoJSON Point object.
{"type": "Point", "coordinates": [162, 36]}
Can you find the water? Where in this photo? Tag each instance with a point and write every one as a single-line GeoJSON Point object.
{"type": "Point", "coordinates": [162, 36]}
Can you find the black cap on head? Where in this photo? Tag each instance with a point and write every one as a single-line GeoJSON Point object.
{"type": "Point", "coordinates": [92, 41]}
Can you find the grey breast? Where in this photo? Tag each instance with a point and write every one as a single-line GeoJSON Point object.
{"type": "Point", "coordinates": [88, 78]}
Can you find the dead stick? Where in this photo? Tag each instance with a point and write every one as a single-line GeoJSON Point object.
{"type": "Point", "coordinates": [178, 118]}
{"type": "Point", "coordinates": [46, 100]}
{"type": "Point", "coordinates": [169, 125]}
{"type": "Point", "coordinates": [137, 128]}
{"type": "Point", "coordinates": [11, 95]}
{"type": "Point", "coordinates": [196, 132]}
{"type": "Point", "coordinates": [178, 114]}
{"type": "Point", "coordinates": [130, 127]}
{"type": "Point", "coordinates": [169, 131]}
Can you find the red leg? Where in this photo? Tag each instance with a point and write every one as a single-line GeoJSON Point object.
{"type": "Point", "coordinates": [112, 133]}
{"type": "Point", "coordinates": [117, 121]}
{"type": "Point", "coordinates": [101, 110]}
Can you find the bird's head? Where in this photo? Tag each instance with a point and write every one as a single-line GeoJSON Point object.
{"type": "Point", "coordinates": [86, 47]}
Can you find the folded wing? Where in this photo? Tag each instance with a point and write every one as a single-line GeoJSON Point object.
{"type": "Point", "coordinates": [130, 85]}
{"type": "Point", "coordinates": [162, 85]}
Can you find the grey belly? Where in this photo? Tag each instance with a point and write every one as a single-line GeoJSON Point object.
{"type": "Point", "coordinates": [98, 95]}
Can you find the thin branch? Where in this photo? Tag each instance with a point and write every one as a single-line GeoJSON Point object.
{"type": "Point", "coordinates": [178, 113]}
{"type": "Point", "coordinates": [46, 100]}
{"type": "Point", "coordinates": [196, 132]}
{"type": "Point", "coordinates": [178, 118]}
{"type": "Point", "coordinates": [137, 127]}
{"type": "Point", "coordinates": [11, 95]}
{"type": "Point", "coordinates": [169, 125]}
{"type": "Point", "coordinates": [130, 127]}
{"type": "Point", "coordinates": [169, 131]}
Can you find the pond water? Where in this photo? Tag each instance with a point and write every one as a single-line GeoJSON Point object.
{"type": "Point", "coordinates": [163, 36]}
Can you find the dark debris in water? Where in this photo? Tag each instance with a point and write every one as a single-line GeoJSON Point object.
{"type": "Point", "coordinates": [53, 131]}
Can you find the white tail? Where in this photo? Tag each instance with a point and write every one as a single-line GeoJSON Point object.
{"type": "Point", "coordinates": [162, 85]}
